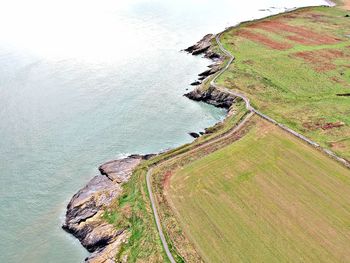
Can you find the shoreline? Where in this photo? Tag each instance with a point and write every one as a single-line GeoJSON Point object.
{"type": "Point", "coordinates": [84, 217]}
{"type": "Point", "coordinates": [106, 240]}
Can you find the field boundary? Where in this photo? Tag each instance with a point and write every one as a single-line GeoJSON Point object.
{"type": "Point", "coordinates": [252, 111]}
{"type": "Point", "coordinates": [271, 120]}
{"type": "Point", "coordinates": [214, 140]}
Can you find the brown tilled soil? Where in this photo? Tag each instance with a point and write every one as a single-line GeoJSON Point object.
{"type": "Point", "coordinates": [299, 34]}
{"type": "Point", "coordinates": [260, 38]}
{"type": "Point", "coordinates": [337, 145]}
{"type": "Point", "coordinates": [321, 60]}
{"type": "Point", "coordinates": [316, 60]}
{"type": "Point", "coordinates": [337, 80]}
{"type": "Point", "coordinates": [321, 124]}
{"type": "Point", "coordinates": [331, 125]}
{"type": "Point", "coordinates": [166, 179]}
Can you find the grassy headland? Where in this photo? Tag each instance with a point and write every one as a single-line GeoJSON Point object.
{"type": "Point", "coordinates": [269, 197]}
{"type": "Point", "coordinates": [262, 194]}
{"type": "Point", "coordinates": [295, 68]}
{"type": "Point", "coordinates": [266, 198]}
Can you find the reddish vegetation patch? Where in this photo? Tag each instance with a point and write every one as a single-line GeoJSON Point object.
{"type": "Point", "coordinates": [332, 53]}
{"type": "Point", "coordinates": [257, 37]}
{"type": "Point", "coordinates": [317, 62]}
{"type": "Point", "coordinates": [321, 60]}
{"type": "Point", "coordinates": [314, 17]}
{"type": "Point", "coordinates": [338, 145]}
{"type": "Point", "coordinates": [313, 125]}
{"type": "Point", "coordinates": [127, 211]}
{"type": "Point", "coordinates": [321, 124]}
{"type": "Point", "coordinates": [300, 35]}
{"type": "Point", "coordinates": [302, 40]}
{"type": "Point", "coordinates": [166, 180]}
{"type": "Point", "coordinates": [248, 62]}
{"type": "Point", "coordinates": [337, 80]}
{"type": "Point", "coordinates": [331, 125]}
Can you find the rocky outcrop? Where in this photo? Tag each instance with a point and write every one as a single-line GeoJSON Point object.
{"type": "Point", "coordinates": [204, 46]}
{"type": "Point", "coordinates": [213, 68]}
{"type": "Point", "coordinates": [194, 134]}
{"type": "Point", "coordinates": [85, 209]}
{"type": "Point", "coordinates": [201, 46]}
{"type": "Point", "coordinates": [212, 96]}
{"type": "Point", "coordinates": [196, 83]}
{"type": "Point", "coordinates": [107, 254]}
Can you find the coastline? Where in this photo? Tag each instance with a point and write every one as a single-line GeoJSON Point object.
{"type": "Point", "coordinates": [102, 238]}
{"type": "Point", "coordinates": [84, 217]}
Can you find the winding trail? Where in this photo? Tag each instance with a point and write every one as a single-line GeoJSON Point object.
{"type": "Point", "coordinates": [156, 217]}
{"type": "Point", "coordinates": [236, 128]}
{"type": "Point", "coordinates": [252, 109]}
{"type": "Point", "coordinates": [149, 174]}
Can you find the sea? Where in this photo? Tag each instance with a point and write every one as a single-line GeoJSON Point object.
{"type": "Point", "coordinates": [83, 82]}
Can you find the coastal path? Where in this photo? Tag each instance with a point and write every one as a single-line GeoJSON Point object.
{"type": "Point", "coordinates": [236, 128]}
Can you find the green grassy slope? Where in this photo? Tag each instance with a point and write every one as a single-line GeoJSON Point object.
{"type": "Point", "coordinates": [292, 66]}
{"type": "Point", "coordinates": [266, 198]}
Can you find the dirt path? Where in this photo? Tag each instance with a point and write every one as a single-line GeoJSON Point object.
{"type": "Point", "coordinates": [149, 184]}
{"type": "Point", "coordinates": [252, 109]}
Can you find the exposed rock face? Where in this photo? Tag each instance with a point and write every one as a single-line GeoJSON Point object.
{"type": "Point", "coordinates": [204, 47]}
{"type": "Point", "coordinates": [209, 95]}
{"type": "Point", "coordinates": [201, 46]}
{"type": "Point", "coordinates": [120, 170]}
{"type": "Point", "coordinates": [84, 211]}
{"type": "Point", "coordinates": [194, 134]}
{"type": "Point", "coordinates": [107, 253]}
{"type": "Point", "coordinates": [196, 83]}
{"type": "Point", "coordinates": [212, 96]}
{"type": "Point", "coordinates": [212, 70]}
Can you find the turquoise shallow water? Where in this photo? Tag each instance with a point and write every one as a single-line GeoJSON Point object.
{"type": "Point", "coordinates": [83, 82]}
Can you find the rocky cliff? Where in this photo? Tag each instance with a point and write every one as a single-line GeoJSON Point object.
{"type": "Point", "coordinates": [85, 209]}
{"type": "Point", "coordinates": [209, 94]}
{"type": "Point", "coordinates": [212, 96]}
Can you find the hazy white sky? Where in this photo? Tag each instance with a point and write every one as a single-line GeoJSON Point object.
{"type": "Point", "coordinates": [93, 29]}
{"type": "Point", "coordinates": [62, 27]}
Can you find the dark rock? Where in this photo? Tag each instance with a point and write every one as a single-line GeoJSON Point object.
{"type": "Point", "coordinates": [107, 254]}
{"type": "Point", "coordinates": [343, 94]}
{"type": "Point", "coordinates": [205, 73]}
{"type": "Point", "coordinates": [85, 209]}
{"type": "Point", "coordinates": [201, 46]}
{"type": "Point", "coordinates": [120, 170]}
{"type": "Point", "coordinates": [194, 134]}
{"type": "Point", "coordinates": [347, 15]}
{"type": "Point", "coordinates": [201, 133]}
{"type": "Point", "coordinates": [212, 55]}
{"type": "Point", "coordinates": [148, 156]}
{"type": "Point", "coordinates": [212, 70]}
{"type": "Point", "coordinates": [212, 96]}
{"type": "Point", "coordinates": [196, 83]}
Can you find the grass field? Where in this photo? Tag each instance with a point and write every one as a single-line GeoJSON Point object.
{"type": "Point", "coordinates": [295, 67]}
{"type": "Point", "coordinates": [265, 198]}
{"type": "Point", "coordinates": [132, 209]}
